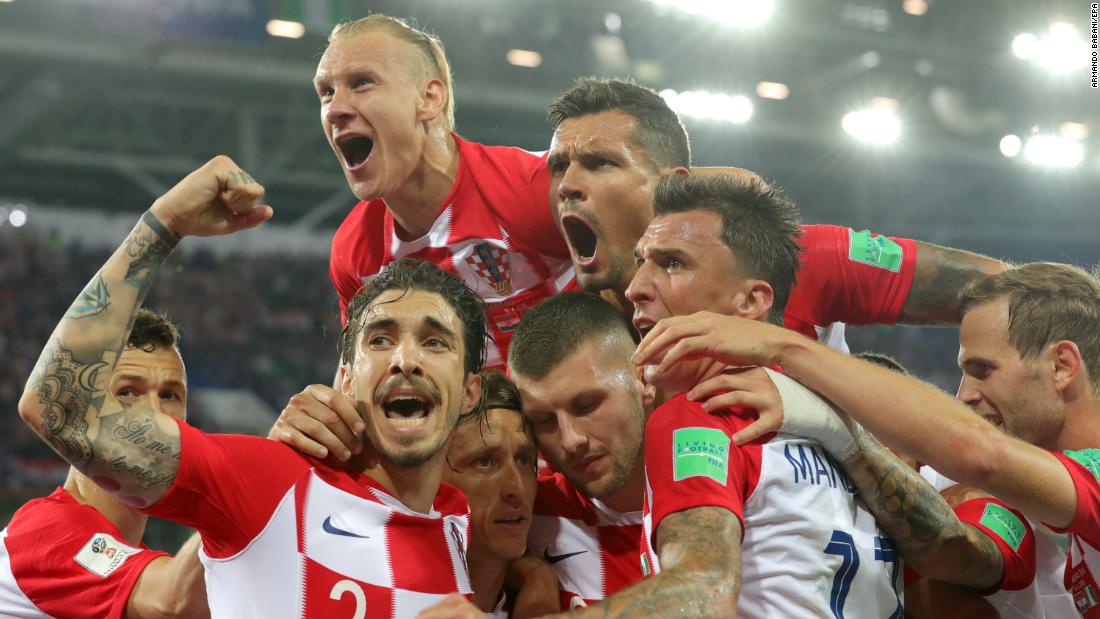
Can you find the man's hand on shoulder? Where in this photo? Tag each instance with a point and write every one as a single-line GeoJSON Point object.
{"type": "Point", "coordinates": [320, 421]}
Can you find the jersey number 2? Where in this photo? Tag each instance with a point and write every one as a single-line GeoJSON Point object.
{"type": "Point", "coordinates": [347, 586]}
{"type": "Point", "coordinates": [842, 545]}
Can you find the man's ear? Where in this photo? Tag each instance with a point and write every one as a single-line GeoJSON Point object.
{"type": "Point", "coordinates": [647, 391]}
{"type": "Point", "coordinates": [472, 392]}
{"type": "Point", "coordinates": [433, 100]}
{"type": "Point", "coordinates": [755, 300]}
{"type": "Point", "coordinates": [1068, 366]}
{"type": "Point", "coordinates": [343, 380]}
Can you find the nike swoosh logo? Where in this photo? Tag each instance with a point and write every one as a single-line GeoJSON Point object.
{"type": "Point", "coordinates": [552, 559]}
{"type": "Point", "coordinates": [329, 528]}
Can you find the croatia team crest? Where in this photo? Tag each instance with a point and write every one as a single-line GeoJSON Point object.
{"type": "Point", "coordinates": [491, 263]}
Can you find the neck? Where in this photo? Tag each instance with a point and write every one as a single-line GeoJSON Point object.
{"type": "Point", "coordinates": [415, 487]}
{"type": "Point", "coordinates": [629, 497]}
{"type": "Point", "coordinates": [1081, 429]}
{"type": "Point", "coordinates": [415, 205]}
{"type": "Point", "coordinates": [130, 522]}
{"type": "Point", "coordinates": [487, 578]}
{"type": "Point", "coordinates": [619, 301]}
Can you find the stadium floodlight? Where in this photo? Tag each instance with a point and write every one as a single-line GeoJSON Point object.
{"type": "Point", "coordinates": [772, 90]}
{"type": "Point", "coordinates": [613, 22]}
{"type": "Point", "coordinates": [915, 7]}
{"type": "Point", "coordinates": [1053, 151]}
{"type": "Point", "coordinates": [876, 125]}
{"type": "Point", "coordinates": [709, 105]}
{"type": "Point", "coordinates": [738, 13]}
{"type": "Point", "coordinates": [1060, 51]}
{"type": "Point", "coordinates": [524, 58]}
{"type": "Point", "coordinates": [1011, 145]}
{"type": "Point", "coordinates": [17, 217]}
{"type": "Point", "coordinates": [1074, 131]}
{"type": "Point", "coordinates": [286, 29]}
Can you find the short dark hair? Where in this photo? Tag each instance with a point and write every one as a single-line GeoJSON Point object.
{"type": "Point", "coordinates": [1047, 302]}
{"type": "Point", "coordinates": [556, 327]}
{"type": "Point", "coordinates": [153, 330]}
{"type": "Point", "coordinates": [408, 274]}
{"type": "Point", "coordinates": [658, 130]}
{"type": "Point", "coordinates": [883, 361]}
{"type": "Point", "coordinates": [759, 224]}
{"type": "Point", "coordinates": [497, 391]}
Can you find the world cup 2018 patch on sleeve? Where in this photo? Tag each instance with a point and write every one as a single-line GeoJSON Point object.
{"type": "Point", "coordinates": [1004, 524]}
{"type": "Point", "coordinates": [875, 250]}
{"type": "Point", "coordinates": [700, 452]}
{"type": "Point", "coordinates": [1088, 458]}
{"type": "Point", "coordinates": [104, 554]}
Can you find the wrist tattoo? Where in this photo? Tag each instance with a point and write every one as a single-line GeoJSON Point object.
{"type": "Point", "coordinates": [166, 235]}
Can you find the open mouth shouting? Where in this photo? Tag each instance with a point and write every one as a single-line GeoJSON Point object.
{"type": "Point", "coordinates": [407, 407]}
{"type": "Point", "coordinates": [354, 150]}
{"type": "Point", "coordinates": [582, 240]}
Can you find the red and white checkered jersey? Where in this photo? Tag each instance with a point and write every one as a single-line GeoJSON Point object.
{"type": "Point", "coordinates": [60, 558]}
{"type": "Point", "coordinates": [593, 548]}
{"type": "Point", "coordinates": [848, 277]}
{"type": "Point", "coordinates": [1083, 563]}
{"type": "Point", "coordinates": [1042, 595]}
{"type": "Point", "coordinates": [495, 230]}
{"type": "Point", "coordinates": [287, 536]}
{"type": "Point", "coordinates": [808, 549]}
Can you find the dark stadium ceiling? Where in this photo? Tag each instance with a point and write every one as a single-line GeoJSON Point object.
{"type": "Point", "coordinates": [104, 103]}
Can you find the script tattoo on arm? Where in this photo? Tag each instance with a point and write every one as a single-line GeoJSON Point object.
{"type": "Point", "coordinates": [923, 527]}
{"type": "Point", "coordinates": [700, 554]}
{"type": "Point", "coordinates": [134, 454]}
{"type": "Point", "coordinates": [941, 274]}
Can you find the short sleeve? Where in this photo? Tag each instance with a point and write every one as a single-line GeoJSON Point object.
{"type": "Point", "coordinates": [341, 269]}
{"type": "Point", "coordinates": [228, 486]}
{"type": "Point", "coordinates": [691, 462]}
{"type": "Point", "coordinates": [855, 277]}
{"type": "Point", "coordinates": [1011, 532]}
{"type": "Point", "coordinates": [1084, 469]}
{"type": "Point", "coordinates": [73, 565]}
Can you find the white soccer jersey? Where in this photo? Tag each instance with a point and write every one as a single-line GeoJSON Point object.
{"type": "Point", "coordinates": [808, 549]}
{"type": "Point", "coordinates": [592, 548]}
{"type": "Point", "coordinates": [286, 536]}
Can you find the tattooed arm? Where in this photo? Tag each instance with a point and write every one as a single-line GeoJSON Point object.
{"type": "Point", "coordinates": [700, 554]}
{"type": "Point", "coordinates": [132, 453]}
{"type": "Point", "coordinates": [923, 527]}
{"type": "Point", "coordinates": [941, 274]}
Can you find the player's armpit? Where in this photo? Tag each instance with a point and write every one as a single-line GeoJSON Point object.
{"type": "Point", "coordinates": [700, 554]}
{"type": "Point", "coordinates": [171, 587]}
{"type": "Point", "coordinates": [941, 273]}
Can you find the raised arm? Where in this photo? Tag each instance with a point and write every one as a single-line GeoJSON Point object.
{"type": "Point", "coordinates": [171, 587]}
{"type": "Point", "coordinates": [131, 453]}
{"type": "Point", "coordinates": [700, 554]}
{"type": "Point", "coordinates": [941, 273]}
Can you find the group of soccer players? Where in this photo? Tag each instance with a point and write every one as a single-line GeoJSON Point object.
{"type": "Point", "coordinates": [670, 336]}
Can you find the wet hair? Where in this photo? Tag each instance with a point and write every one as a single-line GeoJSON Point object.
{"type": "Point", "coordinates": [407, 274]}
{"type": "Point", "coordinates": [883, 361]}
{"type": "Point", "coordinates": [555, 328]}
{"type": "Point", "coordinates": [429, 46]}
{"type": "Point", "coordinates": [497, 392]}
{"type": "Point", "coordinates": [153, 330]}
{"type": "Point", "coordinates": [1047, 302]}
{"type": "Point", "coordinates": [658, 131]}
{"type": "Point", "coordinates": [759, 225]}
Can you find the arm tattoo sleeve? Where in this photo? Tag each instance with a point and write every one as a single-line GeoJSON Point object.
{"type": "Point", "coordinates": [919, 521]}
{"type": "Point", "coordinates": [128, 452]}
{"type": "Point", "coordinates": [700, 553]}
{"type": "Point", "coordinates": [941, 274]}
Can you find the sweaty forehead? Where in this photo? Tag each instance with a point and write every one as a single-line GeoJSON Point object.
{"type": "Point", "coordinates": [371, 50]}
{"type": "Point", "coordinates": [411, 306]}
{"type": "Point", "coordinates": [688, 230]}
{"type": "Point", "coordinates": [501, 426]}
{"type": "Point", "coordinates": [162, 365]}
{"type": "Point", "coordinates": [602, 131]}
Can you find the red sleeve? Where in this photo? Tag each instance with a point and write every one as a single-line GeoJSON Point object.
{"type": "Point", "coordinates": [851, 277]}
{"type": "Point", "coordinates": [72, 563]}
{"type": "Point", "coordinates": [341, 266]}
{"type": "Point", "coordinates": [228, 486]}
{"type": "Point", "coordinates": [1084, 469]}
{"type": "Point", "coordinates": [1013, 535]}
{"type": "Point", "coordinates": [690, 461]}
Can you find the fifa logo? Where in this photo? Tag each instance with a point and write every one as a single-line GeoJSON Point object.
{"type": "Point", "coordinates": [99, 546]}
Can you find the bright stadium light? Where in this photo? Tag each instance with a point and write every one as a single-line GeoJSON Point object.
{"type": "Point", "coordinates": [738, 13]}
{"type": "Point", "coordinates": [285, 29]}
{"type": "Point", "coordinates": [1053, 151]}
{"type": "Point", "coordinates": [1074, 131]}
{"type": "Point", "coordinates": [709, 106]}
{"type": "Point", "coordinates": [17, 217]}
{"type": "Point", "coordinates": [1060, 51]}
{"type": "Point", "coordinates": [874, 125]}
{"type": "Point", "coordinates": [915, 7]}
{"type": "Point", "coordinates": [1011, 145]}
{"type": "Point", "coordinates": [772, 90]}
{"type": "Point", "coordinates": [524, 58]}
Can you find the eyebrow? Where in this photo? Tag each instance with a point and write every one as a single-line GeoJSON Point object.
{"type": "Point", "coordinates": [389, 323]}
{"type": "Point", "coordinates": [668, 252]}
{"type": "Point", "coordinates": [439, 326]}
{"type": "Point", "coordinates": [171, 384]}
